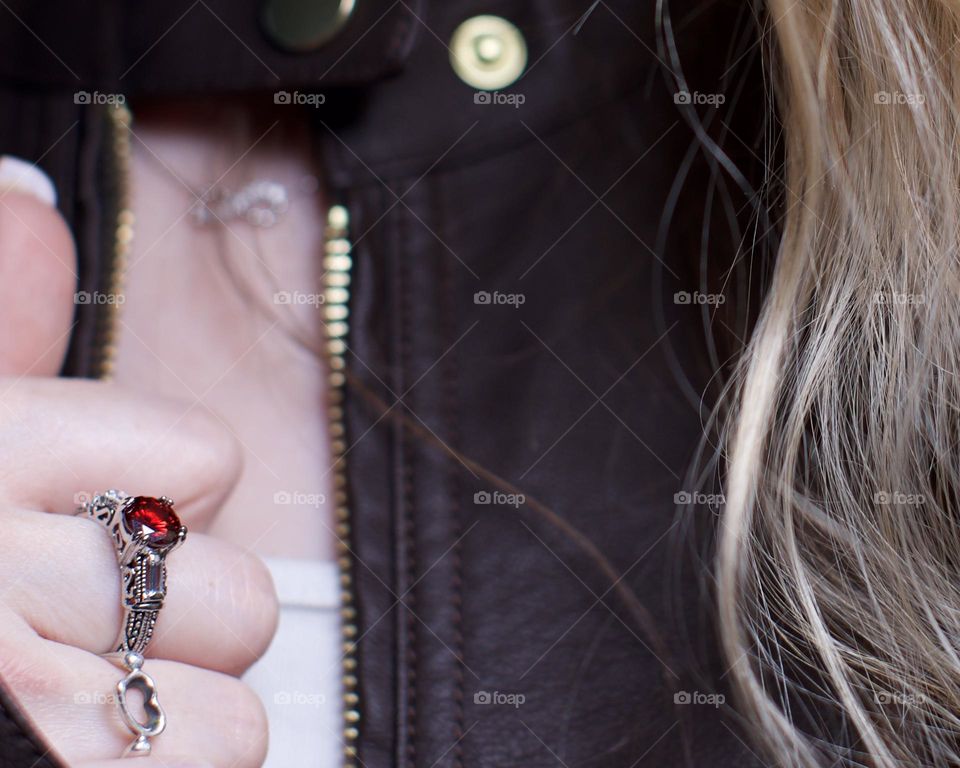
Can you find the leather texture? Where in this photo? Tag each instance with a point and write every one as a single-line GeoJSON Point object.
{"type": "Point", "coordinates": [563, 628]}
{"type": "Point", "coordinates": [20, 743]}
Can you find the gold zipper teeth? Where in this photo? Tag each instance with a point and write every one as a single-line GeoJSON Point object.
{"type": "Point", "coordinates": [337, 264]}
{"type": "Point", "coordinates": [120, 118]}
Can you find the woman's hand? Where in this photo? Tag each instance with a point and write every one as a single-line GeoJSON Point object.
{"type": "Point", "coordinates": [59, 579]}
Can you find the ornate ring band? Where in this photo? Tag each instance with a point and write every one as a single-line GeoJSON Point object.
{"type": "Point", "coordinates": [144, 531]}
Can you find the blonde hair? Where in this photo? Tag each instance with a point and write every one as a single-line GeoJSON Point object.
{"type": "Point", "coordinates": [838, 558]}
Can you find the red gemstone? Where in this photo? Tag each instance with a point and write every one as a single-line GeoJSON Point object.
{"type": "Point", "coordinates": [152, 519]}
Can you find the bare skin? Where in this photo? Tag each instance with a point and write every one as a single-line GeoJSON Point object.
{"type": "Point", "coordinates": [188, 331]}
{"type": "Point", "coordinates": [212, 404]}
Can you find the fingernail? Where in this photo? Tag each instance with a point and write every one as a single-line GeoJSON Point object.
{"type": "Point", "coordinates": [18, 175]}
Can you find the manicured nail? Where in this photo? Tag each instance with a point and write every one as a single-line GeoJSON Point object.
{"type": "Point", "coordinates": [18, 175]}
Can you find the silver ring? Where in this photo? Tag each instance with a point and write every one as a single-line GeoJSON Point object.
{"type": "Point", "coordinates": [144, 531]}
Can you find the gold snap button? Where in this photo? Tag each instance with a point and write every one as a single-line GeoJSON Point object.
{"type": "Point", "coordinates": [302, 27]}
{"type": "Point", "coordinates": [488, 52]}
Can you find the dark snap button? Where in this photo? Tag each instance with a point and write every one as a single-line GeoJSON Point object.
{"type": "Point", "coordinates": [303, 26]}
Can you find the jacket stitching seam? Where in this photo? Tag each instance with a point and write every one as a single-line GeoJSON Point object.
{"type": "Point", "coordinates": [451, 407]}
{"type": "Point", "coordinates": [409, 599]}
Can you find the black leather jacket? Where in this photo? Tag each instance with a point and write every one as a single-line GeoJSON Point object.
{"type": "Point", "coordinates": [521, 368]}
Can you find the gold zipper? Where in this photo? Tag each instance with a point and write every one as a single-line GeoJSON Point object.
{"type": "Point", "coordinates": [337, 264]}
{"type": "Point", "coordinates": [116, 184]}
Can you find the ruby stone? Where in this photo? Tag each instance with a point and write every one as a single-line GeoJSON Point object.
{"type": "Point", "coordinates": [151, 519]}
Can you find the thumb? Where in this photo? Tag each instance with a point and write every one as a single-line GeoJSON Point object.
{"type": "Point", "coordinates": [37, 273]}
{"type": "Point", "coordinates": [150, 762]}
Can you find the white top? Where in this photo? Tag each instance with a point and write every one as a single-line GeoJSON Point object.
{"type": "Point", "coordinates": [298, 678]}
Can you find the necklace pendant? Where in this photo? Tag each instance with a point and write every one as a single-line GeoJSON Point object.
{"type": "Point", "coordinates": [259, 204]}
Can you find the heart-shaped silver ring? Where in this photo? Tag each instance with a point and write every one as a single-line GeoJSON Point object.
{"type": "Point", "coordinates": [156, 720]}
